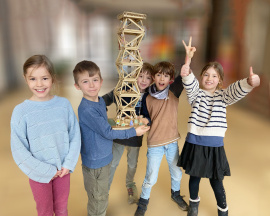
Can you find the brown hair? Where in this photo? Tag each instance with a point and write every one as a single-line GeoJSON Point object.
{"type": "Point", "coordinates": [218, 68]}
{"type": "Point", "coordinates": [37, 61]}
{"type": "Point", "coordinates": [86, 66]}
{"type": "Point", "coordinates": [147, 68]}
{"type": "Point", "coordinates": [165, 68]}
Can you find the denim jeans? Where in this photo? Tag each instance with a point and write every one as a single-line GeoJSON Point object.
{"type": "Point", "coordinates": [154, 157]}
{"type": "Point", "coordinates": [132, 160]}
{"type": "Point", "coordinates": [96, 182]}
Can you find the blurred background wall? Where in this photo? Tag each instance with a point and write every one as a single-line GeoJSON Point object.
{"type": "Point", "coordinates": [234, 32]}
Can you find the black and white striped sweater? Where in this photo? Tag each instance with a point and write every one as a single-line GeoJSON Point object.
{"type": "Point", "coordinates": [207, 122]}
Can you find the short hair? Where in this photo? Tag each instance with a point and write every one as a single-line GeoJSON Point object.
{"type": "Point", "coordinates": [37, 61]}
{"type": "Point", "coordinates": [86, 66]}
{"type": "Point", "coordinates": [218, 68]}
{"type": "Point", "coordinates": [147, 68]}
{"type": "Point", "coordinates": [165, 68]}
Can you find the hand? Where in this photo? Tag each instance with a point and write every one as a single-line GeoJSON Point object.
{"type": "Point", "coordinates": [145, 121]}
{"type": "Point", "coordinates": [65, 171]}
{"type": "Point", "coordinates": [185, 70]}
{"type": "Point", "coordinates": [253, 79]}
{"type": "Point", "coordinates": [189, 51]}
{"type": "Point", "coordinates": [58, 173]}
{"type": "Point", "coordinates": [141, 130]}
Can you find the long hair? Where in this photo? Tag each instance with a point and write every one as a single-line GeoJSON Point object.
{"type": "Point", "coordinates": [218, 68]}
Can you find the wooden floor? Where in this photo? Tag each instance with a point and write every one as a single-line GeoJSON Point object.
{"type": "Point", "coordinates": [247, 145]}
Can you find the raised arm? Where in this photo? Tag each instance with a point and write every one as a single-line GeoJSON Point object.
{"type": "Point", "coordinates": [238, 90]}
{"type": "Point", "coordinates": [191, 84]}
{"type": "Point", "coordinates": [189, 51]}
{"type": "Point", "coordinates": [185, 70]}
{"type": "Point", "coordinates": [177, 86]}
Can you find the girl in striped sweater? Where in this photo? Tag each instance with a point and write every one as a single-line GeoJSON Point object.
{"type": "Point", "coordinates": [203, 154]}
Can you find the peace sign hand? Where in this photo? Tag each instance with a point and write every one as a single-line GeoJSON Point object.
{"type": "Point", "coordinates": [253, 79]}
{"type": "Point", "coordinates": [189, 51]}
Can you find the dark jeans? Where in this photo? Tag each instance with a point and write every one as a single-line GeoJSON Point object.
{"type": "Point", "coordinates": [216, 185]}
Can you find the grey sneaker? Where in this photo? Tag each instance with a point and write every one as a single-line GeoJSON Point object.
{"type": "Point", "coordinates": [132, 193]}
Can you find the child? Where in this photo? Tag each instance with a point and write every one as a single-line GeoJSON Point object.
{"type": "Point", "coordinates": [97, 136]}
{"type": "Point", "coordinates": [203, 154]}
{"type": "Point", "coordinates": [162, 106]}
{"type": "Point", "coordinates": [134, 143]}
{"type": "Point", "coordinates": [45, 138]}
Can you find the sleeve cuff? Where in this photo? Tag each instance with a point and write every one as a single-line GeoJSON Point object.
{"type": "Point", "coordinates": [188, 79]}
{"type": "Point", "coordinates": [244, 84]}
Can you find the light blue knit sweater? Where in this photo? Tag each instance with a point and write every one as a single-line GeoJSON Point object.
{"type": "Point", "coordinates": [45, 136]}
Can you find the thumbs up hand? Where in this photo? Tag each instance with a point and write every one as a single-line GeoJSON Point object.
{"type": "Point", "coordinates": [253, 79]}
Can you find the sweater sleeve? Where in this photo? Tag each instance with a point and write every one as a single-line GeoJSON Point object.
{"type": "Point", "coordinates": [74, 141]}
{"type": "Point", "coordinates": [177, 86]}
{"type": "Point", "coordinates": [144, 110]}
{"type": "Point", "coordinates": [92, 119]}
{"type": "Point", "coordinates": [109, 98]}
{"type": "Point", "coordinates": [20, 148]}
{"type": "Point", "coordinates": [191, 84]}
{"type": "Point", "coordinates": [236, 91]}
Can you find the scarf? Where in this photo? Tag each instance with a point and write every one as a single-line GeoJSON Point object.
{"type": "Point", "coordinates": [159, 94]}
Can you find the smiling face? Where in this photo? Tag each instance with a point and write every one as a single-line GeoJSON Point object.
{"type": "Point", "coordinates": [144, 80]}
{"type": "Point", "coordinates": [90, 86]}
{"type": "Point", "coordinates": [39, 82]}
{"type": "Point", "coordinates": [162, 80]}
{"type": "Point", "coordinates": [210, 80]}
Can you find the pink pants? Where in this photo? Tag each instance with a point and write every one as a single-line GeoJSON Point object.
{"type": "Point", "coordinates": [51, 197]}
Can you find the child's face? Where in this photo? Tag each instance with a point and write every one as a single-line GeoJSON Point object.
{"type": "Point", "coordinates": [162, 81]}
{"type": "Point", "coordinates": [144, 80]}
{"type": "Point", "coordinates": [210, 80]}
{"type": "Point", "coordinates": [40, 82]}
{"type": "Point", "coordinates": [90, 86]}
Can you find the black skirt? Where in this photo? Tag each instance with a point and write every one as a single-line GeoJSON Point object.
{"type": "Point", "coordinates": [204, 161]}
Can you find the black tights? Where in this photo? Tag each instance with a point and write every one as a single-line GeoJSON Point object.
{"type": "Point", "coordinates": [217, 187]}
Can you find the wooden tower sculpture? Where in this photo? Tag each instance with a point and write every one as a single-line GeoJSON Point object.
{"type": "Point", "coordinates": [128, 63]}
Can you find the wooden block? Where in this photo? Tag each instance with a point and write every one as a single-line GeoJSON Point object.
{"type": "Point", "coordinates": [131, 15]}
